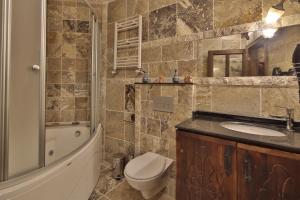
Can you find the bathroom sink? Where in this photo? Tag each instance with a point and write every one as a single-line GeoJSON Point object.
{"type": "Point", "coordinates": [251, 129]}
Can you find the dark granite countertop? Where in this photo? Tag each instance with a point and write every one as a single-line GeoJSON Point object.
{"type": "Point", "coordinates": [206, 123]}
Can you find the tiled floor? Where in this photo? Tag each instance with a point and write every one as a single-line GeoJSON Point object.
{"type": "Point", "coordinates": [110, 189]}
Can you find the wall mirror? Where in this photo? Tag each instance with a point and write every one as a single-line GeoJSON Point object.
{"type": "Point", "coordinates": [259, 53]}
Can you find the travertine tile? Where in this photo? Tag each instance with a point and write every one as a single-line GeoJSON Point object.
{"type": "Point", "coordinates": [151, 54]}
{"type": "Point", "coordinates": [81, 102]}
{"type": "Point", "coordinates": [153, 127]}
{"type": "Point", "coordinates": [203, 97]}
{"type": "Point", "coordinates": [156, 4]}
{"type": "Point", "coordinates": [115, 124]}
{"type": "Point", "coordinates": [162, 23]}
{"type": "Point", "coordinates": [178, 51]}
{"type": "Point", "coordinates": [115, 95]}
{"type": "Point", "coordinates": [194, 16]}
{"type": "Point", "coordinates": [236, 100]}
{"type": "Point", "coordinates": [67, 115]}
{"type": "Point", "coordinates": [53, 90]}
{"type": "Point", "coordinates": [236, 12]}
{"type": "Point", "coordinates": [54, 77]}
{"type": "Point", "coordinates": [185, 95]}
{"type": "Point", "coordinates": [137, 7]}
{"type": "Point", "coordinates": [116, 10]}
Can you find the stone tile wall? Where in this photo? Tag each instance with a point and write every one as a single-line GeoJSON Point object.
{"type": "Point", "coordinates": [176, 35]}
{"type": "Point", "coordinates": [68, 61]}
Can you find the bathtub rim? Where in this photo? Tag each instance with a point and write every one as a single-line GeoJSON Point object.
{"type": "Point", "coordinates": [66, 160]}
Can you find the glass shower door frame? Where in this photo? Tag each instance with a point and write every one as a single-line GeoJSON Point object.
{"type": "Point", "coordinates": [94, 74]}
{"type": "Point", "coordinates": [5, 49]}
{"type": "Point", "coordinates": [4, 87]}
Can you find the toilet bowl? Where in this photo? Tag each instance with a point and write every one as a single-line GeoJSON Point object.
{"type": "Point", "coordinates": [148, 173]}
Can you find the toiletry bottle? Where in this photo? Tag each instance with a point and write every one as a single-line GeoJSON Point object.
{"type": "Point", "coordinates": [176, 77]}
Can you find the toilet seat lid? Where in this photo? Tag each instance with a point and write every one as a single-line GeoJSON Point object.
{"type": "Point", "coordinates": [146, 166]}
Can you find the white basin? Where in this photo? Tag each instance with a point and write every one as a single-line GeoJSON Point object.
{"type": "Point", "coordinates": [251, 129]}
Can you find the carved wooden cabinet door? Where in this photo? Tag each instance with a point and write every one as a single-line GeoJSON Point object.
{"type": "Point", "coordinates": [266, 174]}
{"type": "Point", "coordinates": [206, 168]}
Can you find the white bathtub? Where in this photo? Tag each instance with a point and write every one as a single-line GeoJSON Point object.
{"type": "Point", "coordinates": [58, 136]}
{"type": "Point", "coordinates": [71, 178]}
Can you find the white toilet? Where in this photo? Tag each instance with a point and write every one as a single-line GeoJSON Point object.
{"type": "Point", "coordinates": [148, 173]}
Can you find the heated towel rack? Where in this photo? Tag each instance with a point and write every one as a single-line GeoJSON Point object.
{"type": "Point", "coordinates": [128, 61]}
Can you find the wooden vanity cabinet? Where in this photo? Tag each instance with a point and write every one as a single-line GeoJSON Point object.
{"type": "Point", "coordinates": [209, 168]}
{"type": "Point", "coordinates": [206, 168]}
{"type": "Point", "coordinates": [265, 174]}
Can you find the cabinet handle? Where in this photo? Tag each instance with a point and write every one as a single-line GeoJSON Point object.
{"type": "Point", "coordinates": [228, 160]}
{"type": "Point", "coordinates": [248, 168]}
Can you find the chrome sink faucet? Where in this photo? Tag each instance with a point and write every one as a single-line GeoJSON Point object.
{"type": "Point", "coordinates": [289, 117]}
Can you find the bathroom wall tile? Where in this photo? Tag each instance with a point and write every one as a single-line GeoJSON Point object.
{"type": "Point", "coordinates": [236, 100]}
{"type": "Point", "coordinates": [129, 98]}
{"type": "Point", "coordinates": [68, 64]}
{"type": "Point", "coordinates": [82, 48]}
{"type": "Point", "coordinates": [53, 90]}
{"type": "Point", "coordinates": [81, 115]}
{"type": "Point", "coordinates": [115, 97]}
{"type": "Point", "coordinates": [194, 16]}
{"type": "Point", "coordinates": [164, 69]}
{"type": "Point", "coordinates": [203, 97]}
{"type": "Point", "coordinates": [54, 18]}
{"type": "Point", "coordinates": [81, 102]}
{"type": "Point", "coordinates": [53, 64]}
{"type": "Point", "coordinates": [54, 50]}
{"type": "Point", "coordinates": [67, 103]}
{"type": "Point", "coordinates": [154, 91]}
{"type": "Point", "coordinates": [129, 131]}
{"type": "Point", "coordinates": [170, 91]}
{"type": "Point", "coordinates": [153, 127]}
{"type": "Point", "coordinates": [81, 90]}
{"type": "Point", "coordinates": [178, 51]}
{"type": "Point", "coordinates": [181, 112]}
{"type": "Point", "coordinates": [54, 38]}
{"type": "Point", "coordinates": [162, 23]}
{"type": "Point", "coordinates": [53, 103]}
{"type": "Point", "coordinates": [69, 51]}
{"type": "Point", "coordinates": [52, 116]}
{"type": "Point", "coordinates": [69, 25]}
{"type": "Point", "coordinates": [70, 38]}
{"type": "Point", "coordinates": [82, 77]}
{"type": "Point", "coordinates": [67, 90]}
{"type": "Point", "coordinates": [68, 77]}
{"type": "Point", "coordinates": [147, 109]}
{"type": "Point", "coordinates": [155, 4]}
{"type": "Point", "coordinates": [151, 54]}
{"type": "Point", "coordinates": [83, 26]}
{"type": "Point", "coordinates": [83, 13]}
{"type": "Point", "coordinates": [189, 68]}
{"type": "Point", "coordinates": [116, 10]}
{"type": "Point", "coordinates": [185, 95]}
{"type": "Point", "coordinates": [247, 12]}
{"type": "Point", "coordinates": [54, 77]}
{"type": "Point", "coordinates": [69, 12]}
{"type": "Point", "coordinates": [145, 31]}
{"type": "Point", "coordinates": [115, 124]}
{"type": "Point", "coordinates": [137, 7]}
{"type": "Point", "coordinates": [67, 116]}
{"type": "Point", "coordinates": [82, 65]}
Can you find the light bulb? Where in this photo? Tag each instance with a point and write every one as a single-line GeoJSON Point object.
{"type": "Point", "coordinates": [273, 15]}
{"type": "Point", "coordinates": [269, 33]}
